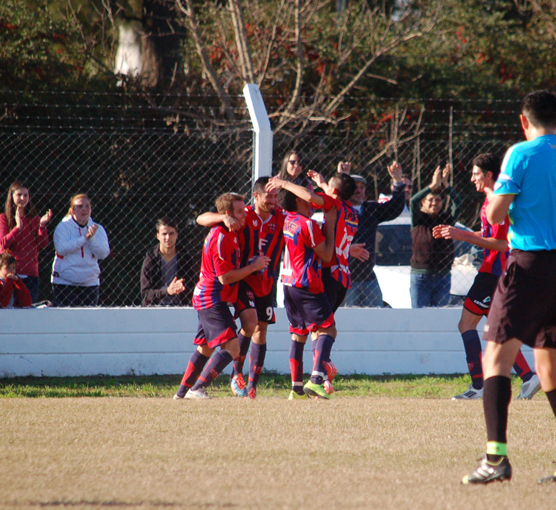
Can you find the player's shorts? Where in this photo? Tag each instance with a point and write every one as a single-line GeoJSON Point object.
{"type": "Point", "coordinates": [245, 298]}
{"type": "Point", "coordinates": [307, 311]}
{"type": "Point", "coordinates": [216, 326]}
{"type": "Point", "coordinates": [480, 294]}
{"type": "Point", "coordinates": [524, 305]}
{"type": "Point", "coordinates": [335, 291]}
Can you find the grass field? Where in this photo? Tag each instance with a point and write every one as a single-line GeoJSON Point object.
{"type": "Point", "coordinates": [384, 443]}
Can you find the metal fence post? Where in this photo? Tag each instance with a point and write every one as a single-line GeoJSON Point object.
{"type": "Point", "coordinates": [262, 160]}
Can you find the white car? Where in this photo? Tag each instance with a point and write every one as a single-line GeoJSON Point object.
{"type": "Point", "coordinates": [393, 256]}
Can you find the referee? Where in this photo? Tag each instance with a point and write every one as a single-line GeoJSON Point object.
{"type": "Point", "coordinates": [524, 305]}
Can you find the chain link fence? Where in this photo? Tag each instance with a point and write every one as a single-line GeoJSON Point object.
{"type": "Point", "coordinates": [138, 165]}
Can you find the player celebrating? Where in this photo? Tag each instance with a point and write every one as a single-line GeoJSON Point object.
{"type": "Point", "coordinates": [494, 241]}
{"type": "Point", "coordinates": [218, 286]}
{"type": "Point", "coordinates": [524, 306]}
{"type": "Point", "coordinates": [262, 234]}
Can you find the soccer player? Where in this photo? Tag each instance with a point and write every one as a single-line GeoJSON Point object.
{"type": "Point", "coordinates": [494, 241]}
{"type": "Point", "coordinates": [336, 276]}
{"type": "Point", "coordinates": [218, 286]}
{"type": "Point", "coordinates": [262, 234]}
{"type": "Point", "coordinates": [523, 309]}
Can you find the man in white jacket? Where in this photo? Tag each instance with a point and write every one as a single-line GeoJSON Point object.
{"type": "Point", "coordinates": [80, 244]}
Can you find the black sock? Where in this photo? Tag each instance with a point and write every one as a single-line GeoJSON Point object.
{"type": "Point", "coordinates": [551, 396]}
{"type": "Point", "coordinates": [215, 366]}
{"type": "Point", "coordinates": [244, 342]}
{"type": "Point", "coordinates": [522, 368]}
{"type": "Point", "coordinates": [256, 363]}
{"type": "Point", "coordinates": [497, 393]}
{"type": "Point", "coordinates": [473, 352]}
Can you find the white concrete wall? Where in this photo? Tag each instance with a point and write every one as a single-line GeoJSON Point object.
{"type": "Point", "coordinates": [143, 341]}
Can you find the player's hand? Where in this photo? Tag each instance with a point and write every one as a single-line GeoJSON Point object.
{"type": "Point", "coordinates": [12, 276]}
{"type": "Point", "coordinates": [274, 183]}
{"type": "Point", "coordinates": [395, 171]}
{"type": "Point", "coordinates": [448, 232]}
{"type": "Point", "coordinates": [260, 263]}
{"type": "Point", "coordinates": [91, 231]}
{"type": "Point", "coordinates": [344, 167]}
{"type": "Point", "coordinates": [358, 251]}
{"type": "Point", "coordinates": [231, 223]}
{"type": "Point", "coordinates": [318, 179]}
{"type": "Point", "coordinates": [331, 216]}
{"type": "Point", "coordinates": [176, 286]}
{"type": "Point", "coordinates": [46, 218]}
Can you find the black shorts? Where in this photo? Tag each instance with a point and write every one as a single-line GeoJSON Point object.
{"type": "Point", "coordinates": [524, 305]}
{"type": "Point", "coordinates": [479, 297]}
{"type": "Point", "coordinates": [307, 311]}
{"type": "Point", "coordinates": [335, 291]}
{"type": "Point", "coordinates": [245, 298]}
{"type": "Point", "coordinates": [216, 326]}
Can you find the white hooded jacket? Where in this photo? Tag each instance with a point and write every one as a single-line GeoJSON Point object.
{"type": "Point", "coordinates": [76, 260]}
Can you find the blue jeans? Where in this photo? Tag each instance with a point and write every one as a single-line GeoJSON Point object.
{"type": "Point", "coordinates": [32, 284]}
{"type": "Point", "coordinates": [364, 294]}
{"type": "Point", "coordinates": [431, 289]}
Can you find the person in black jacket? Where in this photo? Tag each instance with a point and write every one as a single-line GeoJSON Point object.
{"type": "Point", "coordinates": [365, 290]}
{"type": "Point", "coordinates": [164, 270]}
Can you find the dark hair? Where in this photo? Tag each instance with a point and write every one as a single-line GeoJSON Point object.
{"type": "Point", "coordinates": [260, 183]}
{"type": "Point", "coordinates": [10, 208]}
{"type": "Point", "coordinates": [166, 222]}
{"type": "Point", "coordinates": [540, 108]}
{"type": "Point", "coordinates": [225, 203]}
{"type": "Point", "coordinates": [287, 200]}
{"type": "Point", "coordinates": [344, 184]}
{"type": "Point", "coordinates": [488, 162]}
{"type": "Point", "coordinates": [6, 259]}
{"type": "Point", "coordinates": [283, 174]}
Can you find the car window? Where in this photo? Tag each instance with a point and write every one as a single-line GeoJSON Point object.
{"type": "Point", "coordinates": [393, 245]}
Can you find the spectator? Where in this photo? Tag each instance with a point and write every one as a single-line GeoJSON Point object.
{"type": "Point", "coordinates": [365, 290]}
{"type": "Point", "coordinates": [13, 292]}
{"type": "Point", "coordinates": [80, 244]}
{"type": "Point", "coordinates": [292, 170]}
{"type": "Point", "coordinates": [432, 258]}
{"type": "Point", "coordinates": [407, 189]}
{"type": "Point", "coordinates": [23, 234]}
{"type": "Point", "coordinates": [162, 266]}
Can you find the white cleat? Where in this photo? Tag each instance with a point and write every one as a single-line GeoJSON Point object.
{"type": "Point", "coordinates": [530, 388]}
{"type": "Point", "coordinates": [470, 394]}
{"type": "Point", "coordinates": [200, 394]}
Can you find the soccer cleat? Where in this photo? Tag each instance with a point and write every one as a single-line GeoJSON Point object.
{"type": "Point", "coordinates": [470, 394]}
{"type": "Point", "coordinates": [327, 385]}
{"type": "Point", "coordinates": [489, 472]}
{"type": "Point", "coordinates": [530, 388]}
{"type": "Point", "coordinates": [331, 370]}
{"type": "Point", "coordinates": [297, 396]}
{"type": "Point", "coordinates": [238, 386]}
{"type": "Point", "coordinates": [199, 394]}
{"type": "Point", "coordinates": [177, 397]}
{"type": "Point", "coordinates": [252, 394]}
{"type": "Point", "coordinates": [315, 390]}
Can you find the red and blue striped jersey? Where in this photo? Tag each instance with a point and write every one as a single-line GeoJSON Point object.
{"type": "Point", "coordinates": [258, 238]}
{"type": "Point", "coordinates": [344, 231]}
{"type": "Point", "coordinates": [494, 262]}
{"type": "Point", "coordinates": [301, 267]}
{"type": "Point", "coordinates": [220, 255]}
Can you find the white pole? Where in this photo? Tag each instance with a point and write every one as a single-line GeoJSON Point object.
{"type": "Point", "coordinates": [262, 157]}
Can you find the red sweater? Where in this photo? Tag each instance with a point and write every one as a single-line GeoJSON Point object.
{"type": "Point", "coordinates": [22, 298]}
{"type": "Point", "coordinates": [24, 243]}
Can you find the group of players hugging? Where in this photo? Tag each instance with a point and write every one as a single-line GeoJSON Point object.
{"type": "Point", "coordinates": [239, 265]}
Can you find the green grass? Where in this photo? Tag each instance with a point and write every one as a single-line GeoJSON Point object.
{"type": "Point", "coordinates": [271, 385]}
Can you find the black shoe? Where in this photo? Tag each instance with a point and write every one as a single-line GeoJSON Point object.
{"type": "Point", "coordinates": [489, 472]}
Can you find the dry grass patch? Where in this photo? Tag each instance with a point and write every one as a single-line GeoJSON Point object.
{"type": "Point", "coordinates": [269, 454]}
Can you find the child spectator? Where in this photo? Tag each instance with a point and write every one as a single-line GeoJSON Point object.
{"type": "Point", "coordinates": [13, 292]}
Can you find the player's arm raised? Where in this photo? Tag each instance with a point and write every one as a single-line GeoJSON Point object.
{"type": "Point", "coordinates": [235, 275]}
{"type": "Point", "coordinates": [297, 190]}
{"type": "Point", "coordinates": [325, 250]}
{"type": "Point", "coordinates": [209, 219]}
